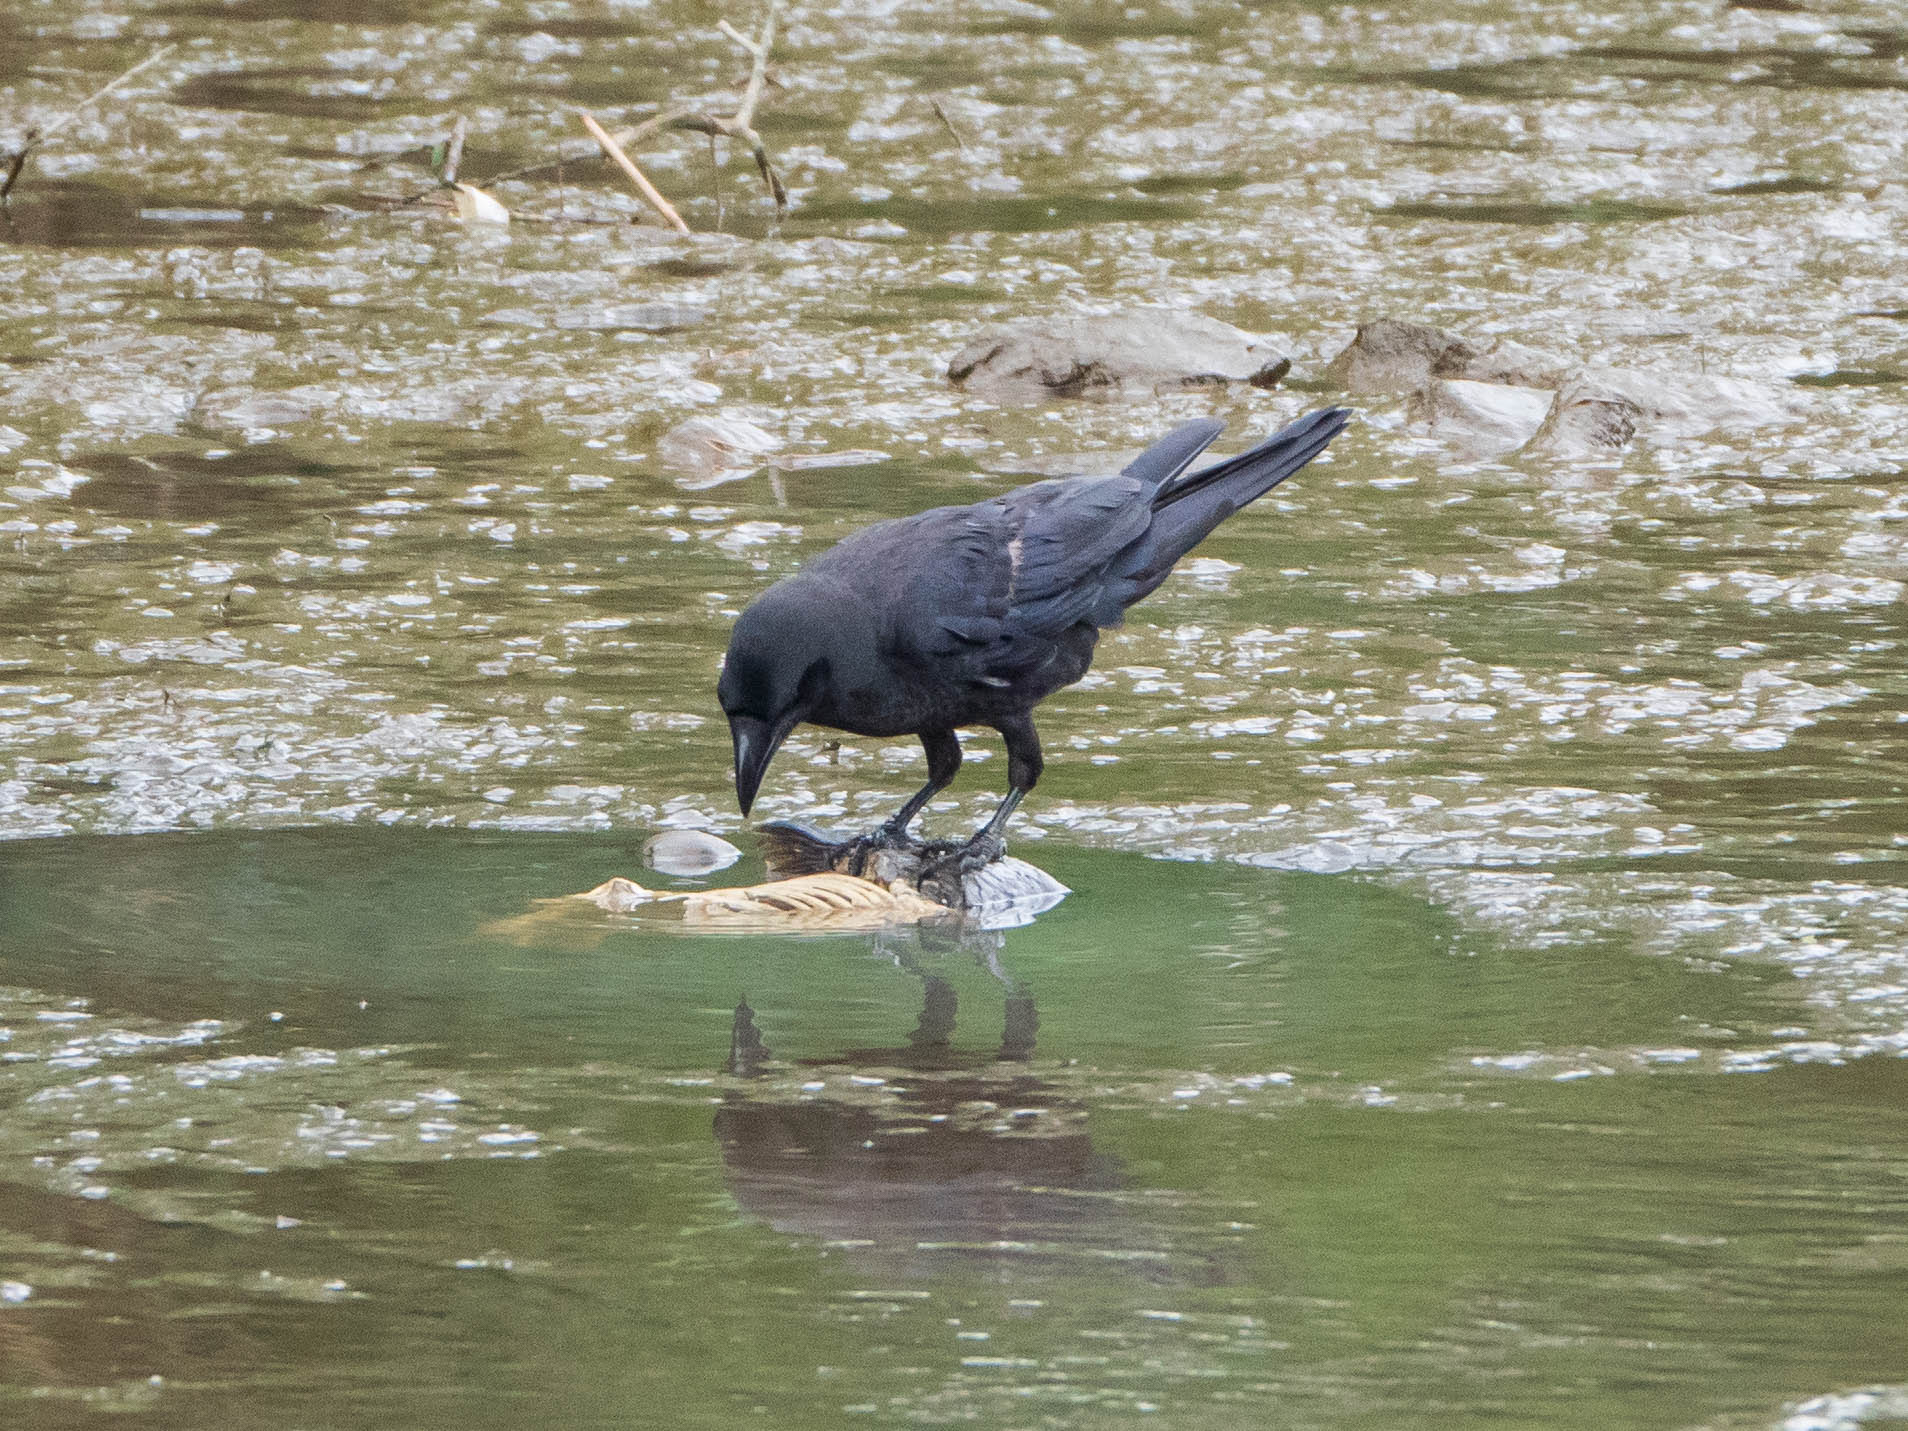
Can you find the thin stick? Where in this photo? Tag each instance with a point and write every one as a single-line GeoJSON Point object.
{"type": "Point", "coordinates": [636, 176]}
{"type": "Point", "coordinates": [738, 126]}
{"type": "Point", "coordinates": [453, 153]}
{"type": "Point", "coordinates": [941, 114]}
{"type": "Point", "coordinates": [758, 49]}
{"type": "Point", "coordinates": [16, 164]}
{"type": "Point", "coordinates": [38, 136]}
{"type": "Point", "coordinates": [57, 125]}
{"type": "Point", "coordinates": [624, 137]}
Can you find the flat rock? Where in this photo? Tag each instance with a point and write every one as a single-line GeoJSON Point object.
{"type": "Point", "coordinates": [1601, 410]}
{"type": "Point", "coordinates": [1144, 350]}
{"type": "Point", "coordinates": [1482, 418]}
{"type": "Point", "coordinates": [258, 410]}
{"type": "Point", "coordinates": [1391, 355]}
{"type": "Point", "coordinates": [708, 451]}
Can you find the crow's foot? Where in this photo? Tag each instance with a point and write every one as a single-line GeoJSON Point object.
{"type": "Point", "coordinates": [857, 855]}
{"type": "Point", "coordinates": [941, 862]}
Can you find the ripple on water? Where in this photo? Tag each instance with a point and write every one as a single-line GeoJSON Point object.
{"type": "Point", "coordinates": [99, 1098]}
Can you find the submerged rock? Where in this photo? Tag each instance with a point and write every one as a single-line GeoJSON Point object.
{"type": "Point", "coordinates": [1143, 350]}
{"type": "Point", "coordinates": [1505, 396]}
{"type": "Point", "coordinates": [606, 317]}
{"type": "Point", "coordinates": [1483, 418]}
{"type": "Point", "coordinates": [1003, 893]}
{"type": "Point", "coordinates": [262, 410]}
{"type": "Point", "coordinates": [1587, 418]}
{"type": "Point", "coordinates": [708, 451]}
{"type": "Point", "coordinates": [1603, 409]}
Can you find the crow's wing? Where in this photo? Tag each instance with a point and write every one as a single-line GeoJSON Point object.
{"type": "Point", "coordinates": [990, 591]}
{"type": "Point", "coordinates": [1087, 549]}
{"type": "Point", "coordinates": [991, 586]}
{"type": "Point", "coordinates": [1066, 537]}
{"type": "Point", "coordinates": [938, 579]}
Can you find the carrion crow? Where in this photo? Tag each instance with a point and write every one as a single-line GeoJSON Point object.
{"type": "Point", "coordinates": [971, 616]}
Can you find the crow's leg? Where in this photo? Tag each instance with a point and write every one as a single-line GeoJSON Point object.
{"type": "Point", "coordinates": [1024, 764]}
{"type": "Point", "coordinates": [944, 762]}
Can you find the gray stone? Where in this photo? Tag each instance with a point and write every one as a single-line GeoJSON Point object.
{"type": "Point", "coordinates": [1145, 350]}
{"type": "Point", "coordinates": [1512, 364]}
{"type": "Point", "coordinates": [1390, 355]}
{"type": "Point", "coordinates": [708, 451]}
{"type": "Point", "coordinates": [1481, 418]}
{"type": "Point", "coordinates": [1601, 410]}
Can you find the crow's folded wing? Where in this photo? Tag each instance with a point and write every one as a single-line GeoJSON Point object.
{"type": "Point", "coordinates": [938, 580]}
{"type": "Point", "coordinates": [991, 586]}
{"type": "Point", "coordinates": [1066, 537]}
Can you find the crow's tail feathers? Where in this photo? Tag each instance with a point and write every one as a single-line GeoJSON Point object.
{"type": "Point", "coordinates": [1252, 474]}
{"type": "Point", "coordinates": [1174, 452]}
{"type": "Point", "coordinates": [1188, 508]}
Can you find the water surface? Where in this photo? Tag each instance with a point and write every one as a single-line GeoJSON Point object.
{"type": "Point", "coordinates": [1484, 994]}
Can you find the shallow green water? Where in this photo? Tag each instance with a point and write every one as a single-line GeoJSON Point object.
{"type": "Point", "coordinates": [1253, 1151]}
{"type": "Point", "coordinates": [1484, 993]}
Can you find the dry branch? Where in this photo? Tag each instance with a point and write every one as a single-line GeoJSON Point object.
{"type": "Point", "coordinates": [34, 138]}
{"type": "Point", "coordinates": [453, 153]}
{"type": "Point", "coordinates": [739, 125]}
{"type": "Point", "coordinates": [636, 176]}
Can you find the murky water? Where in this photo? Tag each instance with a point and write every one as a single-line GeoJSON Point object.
{"type": "Point", "coordinates": [1485, 993]}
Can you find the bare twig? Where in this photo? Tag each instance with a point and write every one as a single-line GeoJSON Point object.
{"type": "Point", "coordinates": [624, 137]}
{"type": "Point", "coordinates": [697, 119]}
{"type": "Point", "coordinates": [741, 124]}
{"type": "Point", "coordinates": [16, 164]}
{"type": "Point", "coordinates": [34, 138]}
{"type": "Point", "coordinates": [941, 114]}
{"type": "Point", "coordinates": [453, 153]}
{"type": "Point", "coordinates": [636, 176]}
{"type": "Point", "coordinates": [758, 49]}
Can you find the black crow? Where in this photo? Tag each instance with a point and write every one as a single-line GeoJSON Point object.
{"type": "Point", "coordinates": [966, 616]}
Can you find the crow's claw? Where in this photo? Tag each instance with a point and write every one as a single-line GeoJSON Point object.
{"type": "Point", "coordinates": [963, 859]}
{"type": "Point", "coordinates": [856, 854]}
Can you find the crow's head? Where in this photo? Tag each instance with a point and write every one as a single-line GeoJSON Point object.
{"type": "Point", "coordinates": [776, 670]}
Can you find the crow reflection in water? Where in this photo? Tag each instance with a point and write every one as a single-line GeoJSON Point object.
{"type": "Point", "coordinates": [971, 616]}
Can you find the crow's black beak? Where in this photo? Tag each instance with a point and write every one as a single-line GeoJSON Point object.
{"type": "Point", "coordinates": [755, 744]}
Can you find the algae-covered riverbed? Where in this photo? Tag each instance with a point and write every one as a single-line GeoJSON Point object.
{"type": "Point", "coordinates": [1484, 993]}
